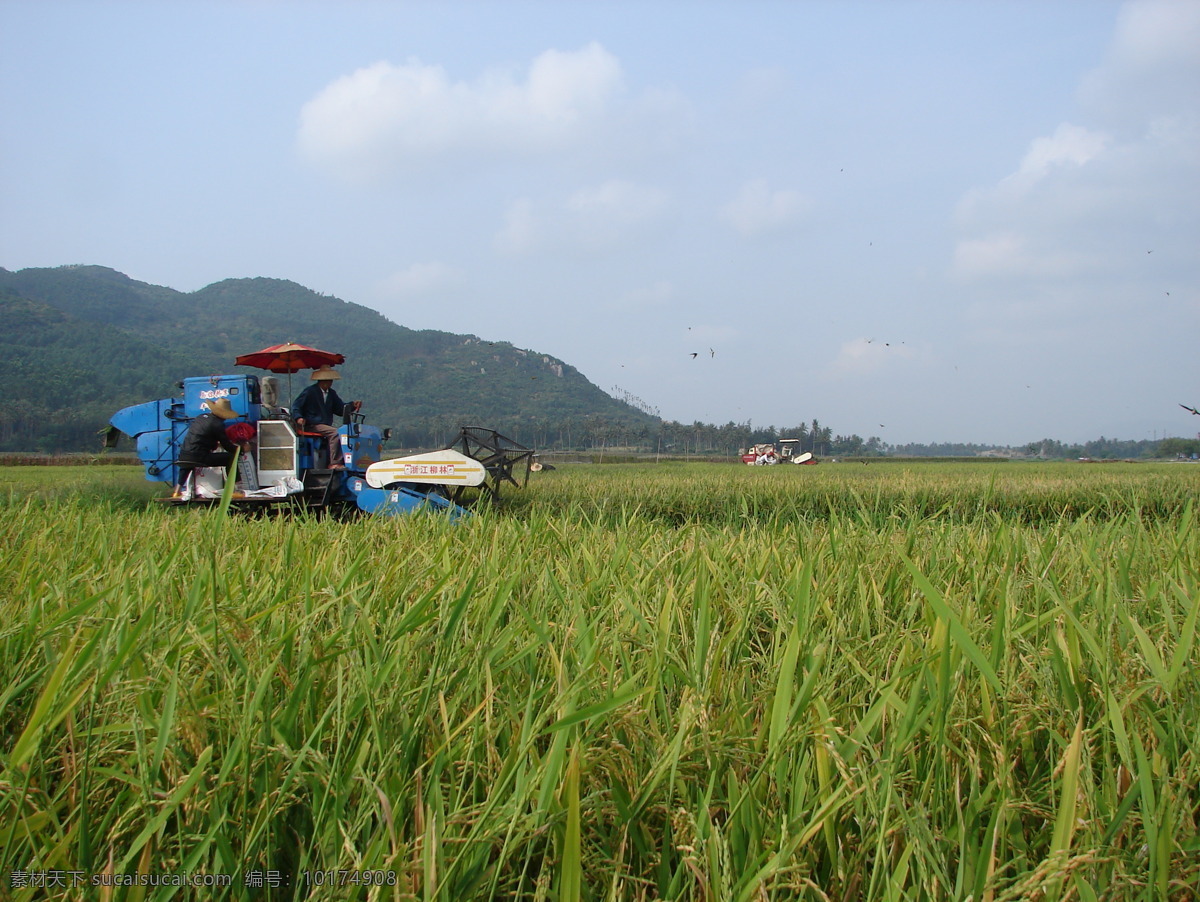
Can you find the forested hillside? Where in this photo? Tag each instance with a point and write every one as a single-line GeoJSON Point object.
{"type": "Point", "coordinates": [80, 342]}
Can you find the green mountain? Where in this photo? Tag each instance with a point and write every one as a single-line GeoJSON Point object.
{"type": "Point", "coordinates": [80, 342]}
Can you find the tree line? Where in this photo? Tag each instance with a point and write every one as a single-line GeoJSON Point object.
{"type": "Point", "coordinates": [40, 427]}
{"type": "Point", "coordinates": [596, 433]}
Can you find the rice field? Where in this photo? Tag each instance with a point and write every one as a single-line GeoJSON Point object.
{"type": "Point", "coordinates": [676, 681]}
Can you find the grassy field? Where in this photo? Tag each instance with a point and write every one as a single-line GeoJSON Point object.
{"type": "Point", "coordinates": [886, 682]}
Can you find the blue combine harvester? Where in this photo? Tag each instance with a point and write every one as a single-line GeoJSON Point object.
{"type": "Point", "coordinates": [284, 465]}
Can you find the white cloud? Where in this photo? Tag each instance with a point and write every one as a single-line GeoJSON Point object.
{"type": "Point", "coordinates": [1086, 203]}
{"type": "Point", "coordinates": [564, 88]}
{"type": "Point", "coordinates": [421, 280]}
{"type": "Point", "coordinates": [1070, 145]}
{"type": "Point", "coordinates": [1152, 31]}
{"type": "Point", "coordinates": [387, 110]}
{"type": "Point", "coordinates": [383, 117]}
{"type": "Point", "coordinates": [757, 209]}
{"type": "Point", "coordinates": [994, 254]}
{"type": "Point", "coordinates": [1010, 255]}
{"type": "Point", "coordinates": [1049, 163]}
{"type": "Point", "coordinates": [600, 217]}
{"type": "Point", "coordinates": [617, 200]}
{"type": "Point", "coordinates": [1153, 64]}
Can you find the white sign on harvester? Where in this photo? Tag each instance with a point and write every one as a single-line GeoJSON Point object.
{"type": "Point", "coordinates": [437, 467]}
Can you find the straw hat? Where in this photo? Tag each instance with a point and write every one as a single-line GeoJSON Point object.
{"type": "Point", "coordinates": [222, 408]}
{"type": "Point", "coordinates": [325, 373]}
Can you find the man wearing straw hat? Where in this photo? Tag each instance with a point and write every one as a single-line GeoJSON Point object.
{"type": "Point", "coordinates": [317, 406]}
{"type": "Point", "coordinates": [206, 433]}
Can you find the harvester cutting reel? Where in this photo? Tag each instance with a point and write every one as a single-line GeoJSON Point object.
{"type": "Point", "coordinates": [478, 458]}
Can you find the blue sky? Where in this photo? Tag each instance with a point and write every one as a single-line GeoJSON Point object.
{"type": "Point", "coordinates": [926, 221]}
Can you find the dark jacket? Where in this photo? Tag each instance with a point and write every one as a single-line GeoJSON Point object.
{"type": "Point", "coordinates": [203, 436]}
{"type": "Point", "coordinates": [313, 410]}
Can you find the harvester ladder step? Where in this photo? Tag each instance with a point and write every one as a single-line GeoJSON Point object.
{"type": "Point", "coordinates": [318, 488]}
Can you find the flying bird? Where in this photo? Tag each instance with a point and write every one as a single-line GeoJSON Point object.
{"type": "Point", "coordinates": [1192, 409]}
{"type": "Point", "coordinates": [695, 354]}
{"type": "Point", "coordinates": [712, 353]}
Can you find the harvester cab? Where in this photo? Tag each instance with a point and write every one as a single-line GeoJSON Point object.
{"type": "Point", "coordinates": [285, 464]}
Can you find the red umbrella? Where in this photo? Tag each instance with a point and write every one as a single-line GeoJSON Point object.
{"type": "Point", "coordinates": [290, 358]}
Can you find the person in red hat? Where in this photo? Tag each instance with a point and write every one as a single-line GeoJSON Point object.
{"type": "Point", "coordinates": [317, 407]}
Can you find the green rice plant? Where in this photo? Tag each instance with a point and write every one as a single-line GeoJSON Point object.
{"type": "Point", "coordinates": [628, 682]}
